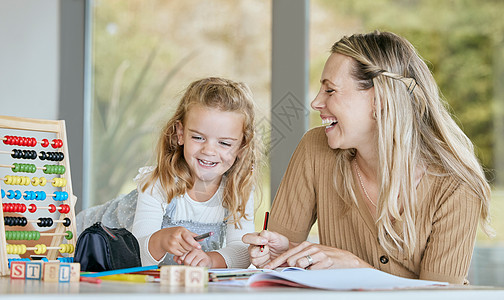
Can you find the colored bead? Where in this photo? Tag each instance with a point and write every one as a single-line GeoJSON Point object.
{"type": "Point", "coordinates": [69, 235]}
{"type": "Point", "coordinates": [42, 155]}
{"type": "Point", "coordinates": [40, 249]}
{"type": "Point", "coordinates": [32, 208]}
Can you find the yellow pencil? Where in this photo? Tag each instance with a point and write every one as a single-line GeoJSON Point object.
{"type": "Point", "coordinates": [129, 277]}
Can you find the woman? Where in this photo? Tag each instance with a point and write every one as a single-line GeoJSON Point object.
{"type": "Point", "coordinates": [391, 179]}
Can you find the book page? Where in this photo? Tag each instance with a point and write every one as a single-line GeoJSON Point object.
{"type": "Point", "coordinates": [340, 279]}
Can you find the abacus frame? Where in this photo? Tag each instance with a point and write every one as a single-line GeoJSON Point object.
{"type": "Point", "coordinates": [58, 128]}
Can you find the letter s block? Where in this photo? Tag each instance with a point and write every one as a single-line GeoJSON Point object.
{"type": "Point", "coordinates": [18, 270]}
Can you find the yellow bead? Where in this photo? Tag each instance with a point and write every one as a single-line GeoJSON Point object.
{"type": "Point", "coordinates": [43, 181]}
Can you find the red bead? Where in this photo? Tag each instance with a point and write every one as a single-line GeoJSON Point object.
{"type": "Point", "coordinates": [45, 143]}
{"type": "Point", "coordinates": [52, 208]}
{"type": "Point", "coordinates": [32, 208]}
{"type": "Point", "coordinates": [65, 208]}
{"type": "Point", "coordinates": [23, 208]}
{"type": "Point", "coordinates": [6, 137]}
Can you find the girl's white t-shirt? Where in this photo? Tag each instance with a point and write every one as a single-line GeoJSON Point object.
{"type": "Point", "coordinates": [152, 205]}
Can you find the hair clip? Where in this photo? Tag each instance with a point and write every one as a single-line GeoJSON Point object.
{"type": "Point", "coordinates": [412, 83]}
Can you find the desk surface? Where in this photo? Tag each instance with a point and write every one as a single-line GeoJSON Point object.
{"type": "Point", "coordinates": [29, 289]}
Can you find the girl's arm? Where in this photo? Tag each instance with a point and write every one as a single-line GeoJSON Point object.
{"type": "Point", "coordinates": [148, 219]}
{"type": "Point", "coordinates": [155, 242]}
{"type": "Point", "coordinates": [235, 253]}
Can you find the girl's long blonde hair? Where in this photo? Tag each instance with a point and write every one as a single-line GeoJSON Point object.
{"type": "Point", "coordinates": [414, 129]}
{"type": "Point", "coordinates": [172, 170]}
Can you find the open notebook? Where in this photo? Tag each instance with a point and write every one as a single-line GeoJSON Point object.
{"type": "Point", "coordinates": [332, 279]}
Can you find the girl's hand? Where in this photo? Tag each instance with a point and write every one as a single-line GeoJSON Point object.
{"type": "Point", "coordinates": [194, 258]}
{"type": "Point", "coordinates": [322, 257]}
{"type": "Point", "coordinates": [175, 240]}
{"type": "Point", "coordinates": [265, 246]}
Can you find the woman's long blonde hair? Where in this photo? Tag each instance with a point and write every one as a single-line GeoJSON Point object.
{"type": "Point", "coordinates": [414, 129]}
{"type": "Point", "coordinates": [172, 170]}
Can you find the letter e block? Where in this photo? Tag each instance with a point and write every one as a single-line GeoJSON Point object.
{"type": "Point", "coordinates": [172, 275]}
{"type": "Point", "coordinates": [17, 270]}
{"type": "Point", "coordinates": [74, 272]}
{"type": "Point", "coordinates": [196, 277]}
{"type": "Point", "coordinates": [51, 272]}
{"type": "Point", "coordinates": [34, 270]}
{"type": "Point", "coordinates": [64, 273]}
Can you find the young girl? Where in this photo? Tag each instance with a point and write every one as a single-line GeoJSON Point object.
{"type": "Point", "coordinates": [203, 182]}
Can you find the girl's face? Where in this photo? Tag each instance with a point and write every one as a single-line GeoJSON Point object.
{"type": "Point", "coordinates": [346, 111]}
{"type": "Point", "coordinates": [211, 140]}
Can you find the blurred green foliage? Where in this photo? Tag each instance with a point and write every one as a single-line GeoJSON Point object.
{"type": "Point", "coordinates": [144, 55]}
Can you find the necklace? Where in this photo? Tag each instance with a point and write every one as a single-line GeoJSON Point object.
{"type": "Point", "coordinates": [362, 184]}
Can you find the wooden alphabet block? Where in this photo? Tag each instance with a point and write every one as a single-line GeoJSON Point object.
{"type": "Point", "coordinates": [51, 272]}
{"type": "Point", "coordinates": [34, 270]}
{"type": "Point", "coordinates": [172, 275]}
{"type": "Point", "coordinates": [74, 272]}
{"type": "Point", "coordinates": [196, 277]}
{"type": "Point", "coordinates": [18, 270]}
{"type": "Point", "coordinates": [64, 273]}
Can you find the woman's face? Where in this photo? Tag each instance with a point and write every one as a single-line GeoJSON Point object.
{"type": "Point", "coordinates": [346, 111]}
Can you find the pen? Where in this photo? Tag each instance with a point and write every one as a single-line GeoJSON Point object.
{"type": "Point", "coordinates": [265, 226]}
{"type": "Point", "coordinates": [203, 236]}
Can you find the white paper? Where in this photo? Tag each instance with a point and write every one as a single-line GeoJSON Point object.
{"type": "Point", "coordinates": [346, 279]}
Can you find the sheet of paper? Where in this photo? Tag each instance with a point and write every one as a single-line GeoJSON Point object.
{"type": "Point", "coordinates": [345, 279]}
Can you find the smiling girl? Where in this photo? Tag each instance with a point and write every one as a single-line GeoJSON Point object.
{"type": "Point", "coordinates": [202, 182]}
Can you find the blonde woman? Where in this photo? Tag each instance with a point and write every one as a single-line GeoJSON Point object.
{"type": "Point", "coordinates": [392, 180]}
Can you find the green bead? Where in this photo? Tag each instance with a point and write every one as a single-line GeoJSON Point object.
{"type": "Point", "coordinates": [69, 235]}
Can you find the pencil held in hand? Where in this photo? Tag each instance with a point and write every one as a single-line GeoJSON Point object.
{"type": "Point", "coordinates": [265, 226]}
{"type": "Point", "coordinates": [203, 236]}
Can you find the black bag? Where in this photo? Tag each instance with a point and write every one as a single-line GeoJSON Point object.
{"type": "Point", "coordinates": [100, 248]}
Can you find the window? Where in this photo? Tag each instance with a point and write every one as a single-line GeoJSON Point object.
{"type": "Point", "coordinates": [144, 54]}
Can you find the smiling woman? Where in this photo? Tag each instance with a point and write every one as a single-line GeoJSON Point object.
{"type": "Point", "coordinates": [393, 181]}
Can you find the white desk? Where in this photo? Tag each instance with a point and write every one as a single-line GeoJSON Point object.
{"type": "Point", "coordinates": [111, 290]}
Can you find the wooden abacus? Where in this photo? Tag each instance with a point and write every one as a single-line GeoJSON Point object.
{"type": "Point", "coordinates": [65, 226]}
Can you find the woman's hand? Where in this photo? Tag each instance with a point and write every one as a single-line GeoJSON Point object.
{"type": "Point", "coordinates": [175, 240]}
{"type": "Point", "coordinates": [316, 256]}
{"type": "Point", "coordinates": [265, 246]}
